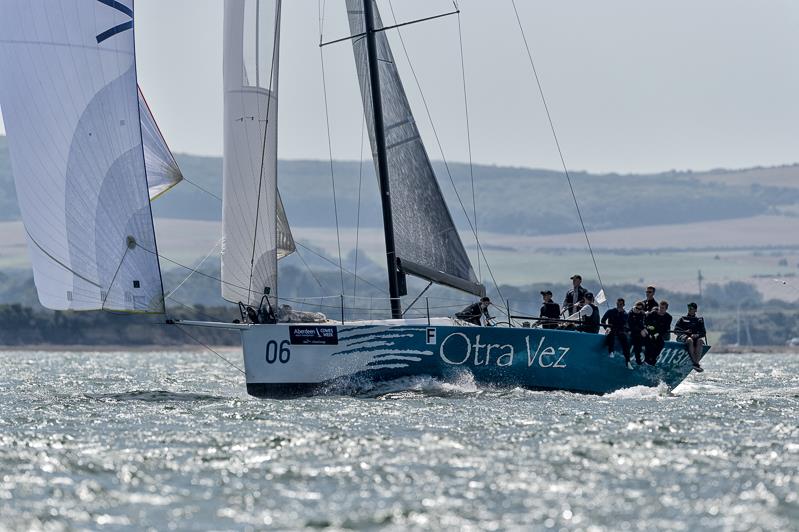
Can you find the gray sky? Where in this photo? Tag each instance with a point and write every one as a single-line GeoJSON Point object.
{"type": "Point", "coordinates": [632, 85]}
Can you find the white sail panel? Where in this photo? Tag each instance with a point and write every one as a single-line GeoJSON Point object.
{"type": "Point", "coordinates": [68, 95]}
{"type": "Point", "coordinates": [426, 240]}
{"type": "Point", "coordinates": [255, 229]}
{"type": "Point", "coordinates": [162, 169]}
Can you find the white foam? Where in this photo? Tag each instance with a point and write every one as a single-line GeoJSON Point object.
{"type": "Point", "coordinates": [641, 392]}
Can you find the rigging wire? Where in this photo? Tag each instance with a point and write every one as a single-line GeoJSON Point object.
{"type": "Point", "coordinates": [275, 44]}
{"type": "Point", "coordinates": [468, 138]}
{"type": "Point", "coordinates": [189, 181]}
{"type": "Point", "coordinates": [330, 145]}
{"type": "Point", "coordinates": [557, 144]}
{"type": "Point", "coordinates": [342, 268]}
{"type": "Point", "coordinates": [309, 269]}
{"type": "Point", "coordinates": [195, 309]}
{"type": "Point", "coordinates": [444, 159]}
{"type": "Point", "coordinates": [358, 215]}
{"type": "Point", "coordinates": [231, 364]}
{"type": "Point", "coordinates": [199, 265]}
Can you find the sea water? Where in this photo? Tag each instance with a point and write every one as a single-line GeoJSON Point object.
{"type": "Point", "coordinates": [170, 440]}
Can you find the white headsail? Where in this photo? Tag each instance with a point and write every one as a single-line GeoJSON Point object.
{"type": "Point", "coordinates": [162, 169]}
{"type": "Point", "coordinates": [69, 99]}
{"type": "Point", "coordinates": [256, 232]}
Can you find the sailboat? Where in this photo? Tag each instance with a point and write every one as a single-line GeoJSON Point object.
{"type": "Point", "coordinates": [88, 158]}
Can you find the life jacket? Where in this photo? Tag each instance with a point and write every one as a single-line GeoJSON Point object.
{"type": "Point", "coordinates": [591, 323]}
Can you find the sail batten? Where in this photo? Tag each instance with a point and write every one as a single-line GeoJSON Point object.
{"type": "Point", "coordinates": [70, 104]}
{"type": "Point", "coordinates": [426, 241]}
{"type": "Point", "coordinates": [255, 228]}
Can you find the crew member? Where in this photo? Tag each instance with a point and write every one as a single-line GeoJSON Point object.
{"type": "Point", "coordinates": [575, 296]}
{"type": "Point", "coordinates": [658, 324]}
{"type": "Point", "coordinates": [690, 331]}
{"type": "Point", "coordinates": [638, 332]}
{"type": "Point", "coordinates": [549, 309]}
{"type": "Point", "coordinates": [473, 312]}
{"type": "Point", "coordinates": [650, 303]}
{"type": "Point", "coordinates": [616, 320]}
{"type": "Point", "coordinates": [589, 315]}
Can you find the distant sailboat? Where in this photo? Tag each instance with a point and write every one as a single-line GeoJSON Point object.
{"type": "Point", "coordinates": [88, 158]}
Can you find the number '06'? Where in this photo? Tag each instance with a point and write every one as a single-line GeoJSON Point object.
{"type": "Point", "coordinates": [275, 353]}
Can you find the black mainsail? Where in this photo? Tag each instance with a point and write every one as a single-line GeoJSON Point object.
{"type": "Point", "coordinates": [426, 241]}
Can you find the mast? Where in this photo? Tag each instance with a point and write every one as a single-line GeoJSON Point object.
{"type": "Point", "coordinates": [382, 161]}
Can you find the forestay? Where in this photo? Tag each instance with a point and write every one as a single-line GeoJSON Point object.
{"type": "Point", "coordinates": [69, 99]}
{"type": "Point", "coordinates": [426, 240]}
{"type": "Point", "coordinates": [256, 232]}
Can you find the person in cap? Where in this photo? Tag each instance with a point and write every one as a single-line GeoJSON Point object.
{"type": "Point", "coordinates": [616, 321]}
{"type": "Point", "coordinates": [691, 331]}
{"type": "Point", "coordinates": [650, 303]}
{"type": "Point", "coordinates": [475, 311]}
{"type": "Point", "coordinates": [575, 296]}
{"type": "Point", "coordinates": [658, 326]}
{"type": "Point", "coordinates": [549, 309]}
{"type": "Point", "coordinates": [638, 332]}
{"type": "Point", "coordinates": [588, 313]}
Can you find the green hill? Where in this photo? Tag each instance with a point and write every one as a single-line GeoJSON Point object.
{"type": "Point", "coordinates": [509, 200]}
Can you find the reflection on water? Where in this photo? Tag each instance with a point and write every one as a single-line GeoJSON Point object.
{"type": "Point", "coordinates": [132, 440]}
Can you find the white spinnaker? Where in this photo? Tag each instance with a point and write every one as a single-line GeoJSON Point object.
{"type": "Point", "coordinates": [69, 100]}
{"type": "Point", "coordinates": [256, 232]}
{"type": "Point", "coordinates": [162, 169]}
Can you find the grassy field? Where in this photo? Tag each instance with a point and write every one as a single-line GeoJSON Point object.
{"type": "Point", "coordinates": [754, 250]}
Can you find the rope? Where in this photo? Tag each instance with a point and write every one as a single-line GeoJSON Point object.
{"type": "Point", "coordinates": [114, 278]}
{"type": "Point", "coordinates": [557, 144]}
{"type": "Point", "coordinates": [330, 150]}
{"type": "Point", "coordinates": [443, 158]}
{"type": "Point", "coordinates": [231, 364]}
{"type": "Point", "coordinates": [468, 140]}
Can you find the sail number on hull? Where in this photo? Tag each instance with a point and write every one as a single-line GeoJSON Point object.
{"type": "Point", "coordinates": [275, 353]}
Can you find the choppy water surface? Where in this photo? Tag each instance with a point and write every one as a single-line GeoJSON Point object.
{"type": "Point", "coordinates": [171, 440]}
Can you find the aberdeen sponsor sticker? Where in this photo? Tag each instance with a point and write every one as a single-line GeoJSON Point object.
{"type": "Point", "coordinates": [313, 334]}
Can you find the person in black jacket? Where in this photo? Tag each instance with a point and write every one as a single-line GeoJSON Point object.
{"type": "Point", "coordinates": [658, 324]}
{"type": "Point", "coordinates": [638, 332]}
{"type": "Point", "coordinates": [589, 315]}
{"type": "Point", "coordinates": [650, 303]}
{"type": "Point", "coordinates": [473, 312]}
{"type": "Point", "coordinates": [616, 320]}
{"type": "Point", "coordinates": [575, 296]}
{"type": "Point", "coordinates": [690, 330]}
{"type": "Point", "coordinates": [549, 309]}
